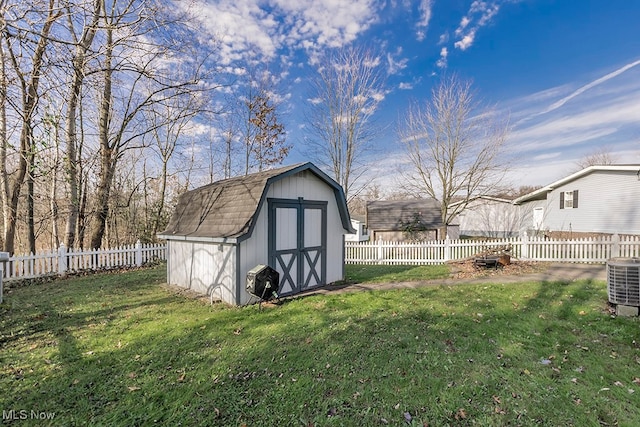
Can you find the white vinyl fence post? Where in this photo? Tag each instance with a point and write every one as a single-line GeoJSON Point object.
{"type": "Point", "coordinates": [524, 249]}
{"type": "Point", "coordinates": [615, 247]}
{"type": "Point", "coordinates": [138, 253]}
{"type": "Point", "coordinates": [380, 250]}
{"type": "Point", "coordinates": [447, 248]}
{"type": "Point", "coordinates": [62, 259]}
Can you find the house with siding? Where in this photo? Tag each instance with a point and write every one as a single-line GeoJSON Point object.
{"type": "Point", "coordinates": [595, 200]}
{"type": "Point", "coordinates": [292, 218]}
{"type": "Point", "coordinates": [487, 216]}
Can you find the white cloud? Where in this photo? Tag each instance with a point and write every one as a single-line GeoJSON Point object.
{"type": "Point", "coordinates": [405, 86]}
{"type": "Point", "coordinates": [480, 14]}
{"type": "Point", "coordinates": [396, 65]}
{"type": "Point", "coordinates": [466, 41]}
{"type": "Point", "coordinates": [425, 16]}
{"type": "Point", "coordinates": [442, 62]}
{"type": "Point", "coordinates": [245, 28]}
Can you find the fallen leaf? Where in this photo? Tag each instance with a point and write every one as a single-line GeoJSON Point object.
{"type": "Point", "coordinates": [181, 378]}
{"type": "Point", "coordinates": [132, 375]}
{"type": "Point", "coordinates": [496, 399]}
{"type": "Point", "coordinates": [237, 331]}
{"type": "Point", "coordinates": [397, 406]}
{"type": "Point", "coordinates": [582, 313]}
{"type": "Point", "coordinates": [574, 380]}
{"type": "Point", "coordinates": [636, 380]}
{"type": "Point", "coordinates": [133, 388]}
{"type": "Point", "coordinates": [461, 414]}
{"type": "Point", "coordinates": [618, 383]}
{"type": "Point", "coordinates": [332, 412]}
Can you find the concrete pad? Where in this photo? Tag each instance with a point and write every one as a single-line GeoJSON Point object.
{"type": "Point", "coordinates": [626, 310]}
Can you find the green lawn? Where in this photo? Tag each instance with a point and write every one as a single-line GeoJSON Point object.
{"type": "Point", "coordinates": [121, 349]}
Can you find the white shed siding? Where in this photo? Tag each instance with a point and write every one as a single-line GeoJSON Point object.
{"type": "Point", "coordinates": [255, 250]}
{"type": "Point", "coordinates": [202, 267]}
{"type": "Point", "coordinates": [608, 202]}
{"type": "Point", "coordinates": [307, 185]}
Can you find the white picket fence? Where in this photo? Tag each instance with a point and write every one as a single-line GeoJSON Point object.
{"type": "Point", "coordinates": [587, 250]}
{"type": "Point", "coordinates": [62, 260]}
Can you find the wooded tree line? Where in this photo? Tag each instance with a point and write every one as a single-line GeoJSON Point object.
{"type": "Point", "coordinates": [100, 102]}
{"type": "Point", "coordinates": [109, 109]}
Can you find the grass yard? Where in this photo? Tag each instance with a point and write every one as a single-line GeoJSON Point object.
{"type": "Point", "coordinates": [121, 349]}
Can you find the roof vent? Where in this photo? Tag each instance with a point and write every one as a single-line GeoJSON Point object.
{"type": "Point", "coordinates": [623, 281]}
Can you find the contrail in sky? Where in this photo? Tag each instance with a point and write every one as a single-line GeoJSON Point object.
{"type": "Point", "coordinates": [588, 86]}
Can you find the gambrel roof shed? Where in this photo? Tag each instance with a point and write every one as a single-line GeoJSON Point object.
{"type": "Point", "coordinates": [292, 218]}
{"type": "Point", "coordinates": [226, 209]}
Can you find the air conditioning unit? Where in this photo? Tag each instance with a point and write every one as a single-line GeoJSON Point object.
{"type": "Point", "coordinates": [263, 282]}
{"type": "Point", "coordinates": [623, 281]}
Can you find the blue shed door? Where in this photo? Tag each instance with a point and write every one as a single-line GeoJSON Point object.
{"type": "Point", "coordinates": [298, 243]}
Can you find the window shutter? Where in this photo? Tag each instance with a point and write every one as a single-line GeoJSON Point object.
{"type": "Point", "coordinates": [562, 200]}
{"type": "Point", "coordinates": [575, 199]}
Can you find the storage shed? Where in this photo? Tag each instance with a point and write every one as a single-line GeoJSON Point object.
{"type": "Point", "coordinates": [292, 218]}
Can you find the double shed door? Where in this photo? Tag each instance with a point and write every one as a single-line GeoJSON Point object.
{"type": "Point", "coordinates": [298, 243]}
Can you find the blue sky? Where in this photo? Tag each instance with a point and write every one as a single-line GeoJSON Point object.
{"type": "Point", "coordinates": [566, 72]}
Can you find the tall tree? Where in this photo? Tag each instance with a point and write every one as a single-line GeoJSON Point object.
{"type": "Point", "coordinates": [269, 146]}
{"type": "Point", "coordinates": [454, 147]}
{"type": "Point", "coordinates": [169, 122]}
{"type": "Point", "coordinates": [88, 27]}
{"type": "Point", "coordinates": [347, 91]}
{"type": "Point", "coordinates": [138, 75]}
{"type": "Point", "coordinates": [25, 37]}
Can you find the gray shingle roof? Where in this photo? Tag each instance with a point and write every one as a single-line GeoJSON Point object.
{"type": "Point", "coordinates": [226, 209]}
{"type": "Point", "coordinates": [390, 215]}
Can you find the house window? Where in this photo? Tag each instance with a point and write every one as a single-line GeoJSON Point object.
{"type": "Point", "coordinates": [569, 199]}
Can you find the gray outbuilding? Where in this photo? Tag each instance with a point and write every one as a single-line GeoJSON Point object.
{"type": "Point", "coordinates": [292, 218]}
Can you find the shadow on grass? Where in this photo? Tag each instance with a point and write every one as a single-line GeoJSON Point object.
{"type": "Point", "coordinates": [443, 355]}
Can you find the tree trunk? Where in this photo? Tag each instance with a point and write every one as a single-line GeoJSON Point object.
{"type": "Point", "coordinates": [78, 62]}
{"type": "Point", "coordinates": [29, 102]}
{"type": "Point", "coordinates": [107, 157]}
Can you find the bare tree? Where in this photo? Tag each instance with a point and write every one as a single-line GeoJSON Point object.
{"type": "Point", "coordinates": [346, 94]}
{"type": "Point", "coordinates": [269, 147]}
{"type": "Point", "coordinates": [600, 157]}
{"type": "Point", "coordinates": [454, 149]}
{"type": "Point", "coordinates": [25, 37]}
{"type": "Point", "coordinates": [82, 44]}
{"type": "Point", "coordinates": [168, 123]}
{"type": "Point", "coordinates": [253, 120]}
{"type": "Point", "coordinates": [136, 77]}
